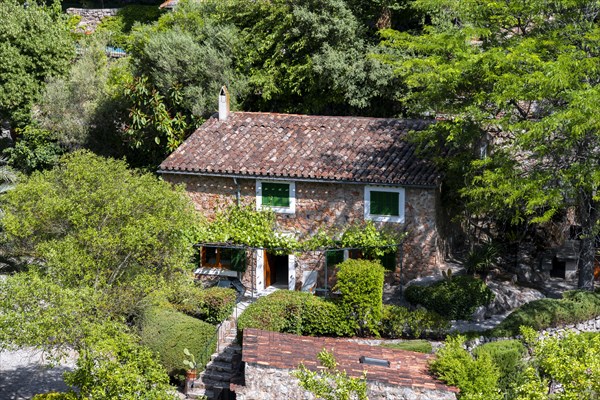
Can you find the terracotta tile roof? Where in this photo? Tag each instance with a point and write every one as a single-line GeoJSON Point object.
{"type": "Point", "coordinates": [285, 351]}
{"type": "Point", "coordinates": [267, 145]}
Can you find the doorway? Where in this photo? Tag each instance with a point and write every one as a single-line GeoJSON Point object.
{"type": "Point", "coordinates": [276, 270]}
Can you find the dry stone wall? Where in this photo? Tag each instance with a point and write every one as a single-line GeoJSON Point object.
{"type": "Point", "coordinates": [266, 383]}
{"type": "Point", "coordinates": [91, 18]}
{"type": "Point", "coordinates": [328, 206]}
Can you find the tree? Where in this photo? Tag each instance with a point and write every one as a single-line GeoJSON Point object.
{"type": "Point", "coordinates": [308, 56]}
{"type": "Point", "coordinates": [523, 74]}
{"type": "Point", "coordinates": [331, 383]}
{"type": "Point", "coordinates": [35, 44]}
{"type": "Point", "coordinates": [92, 222]}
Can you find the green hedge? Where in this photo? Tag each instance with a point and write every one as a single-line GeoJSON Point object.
{"type": "Point", "coordinates": [575, 306]}
{"type": "Point", "coordinates": [211, 305]}
{"type": "Point", "coordinates": [400, 322]}
{"type": "Point", "coordinates": [360, 284]}
{"type": "Point", "coordinates": [455, 298]}
{"type": "Point", "coordinates": [507, 356]}
{"type": "Point", "coordinates": [295, 312]}
{"type": "Point", "coordinates": [167, 332]}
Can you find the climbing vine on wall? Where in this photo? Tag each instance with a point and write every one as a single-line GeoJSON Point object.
{"type": "Point", "coordinates": [249, 227]}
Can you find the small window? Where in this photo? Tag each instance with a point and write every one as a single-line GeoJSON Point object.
{"type": "Point", "coordinates": [277, 196]}
{"type": "Point", "coordinates": [384, 204]}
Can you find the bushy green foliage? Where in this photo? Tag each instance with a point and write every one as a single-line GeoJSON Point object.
{"type": "Point", "coordinates": [119, 27]}
{"type": "Point", "coordinates": [37, 312]}
{"type": "Point", "coordinates": [420, 346]}
{"type": "Point", "coordinates": [398, 322]}
{"type": "Point", "coordinates": [211, 305]}
{"type": "Point", "coordinates": [35, 44]}
{"type": "Point", "coordinates": [575, 306]}
{"type": "Point", "coordinates": [360, 283]}
{"type": "Point", "coordinates": [481, 259]}
{"type": "Point", "coordinates": [55, 396]}
{"type": "Point", "coordinates": [477, 378]}
{"type": "Point", "coordinates": [168, 332]}
{"type": "Point", "coordinates": [117, 367]}
{"type": "Point", "coordinates": [35, 150]}
{"type": "Point", "coordinates": [295, 312]}
{"type": "Point", "coordinates": [92, 221]}
{"type": "Point", "coordinates": [571, 362]}
{"type": "Point", "coordinates": [507, 356]}
{"type": "Point", "coordinates": [375, 243]}
{"type": "Point", "coordinates": [331, 383]}
{"type": "Point", "coordinates": [455, 298]}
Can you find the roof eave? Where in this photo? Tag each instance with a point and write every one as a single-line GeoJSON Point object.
{"type": "Point", "coordinates": [295, 179]}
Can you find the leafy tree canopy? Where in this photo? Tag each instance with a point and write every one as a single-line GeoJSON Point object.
{"type": "Point", "coordinates": [35, 44]}
{"type": "Point", "coordinates": [92, 222]}
{"type": "Point", "coordinates": [522, 76]}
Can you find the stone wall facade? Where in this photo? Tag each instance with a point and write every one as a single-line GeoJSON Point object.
{"type": "Point", "coordinates": [266, 383]}
{"type": "Point", "coordinates": [91, 18]}
{"type": "Point", "coordinates": [328, 206]}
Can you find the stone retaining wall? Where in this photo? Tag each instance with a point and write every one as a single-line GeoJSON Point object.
{"type": "Point", "coordinates": [266, 383]}
{"type": "Point", "coordinates": [592, 325]}
{"type": "Point", "coordinates": [91, 18]}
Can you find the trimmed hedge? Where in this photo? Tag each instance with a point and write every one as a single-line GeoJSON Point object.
{"type": "Point", "coordinates": [507, 356]}
{"type": "Point", "coordinates": [167, 332]}
{"type": "Point", "coordinates": [211, 305]}
{"type": "Point", "coordinates": [575, 306]}
{"type": "Point", "coordinates": [455, 298]}
{"type": "Point", "coordinates": [55, 396]}
{"type": "Point", "coordinates": [400, 322]}
{"type": "Point", "coordinates": [360, 283]}
{"type": "Point", "coordinates": [295, 312]}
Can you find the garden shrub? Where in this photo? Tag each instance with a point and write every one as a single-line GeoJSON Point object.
{"type": "Point", "coordinates": [211, 305]}
{"type": "Point", "coordinates": [168, 331]}
{"type": "Point", "coordinates": [477, 378]}
{"type": "Point", "coordinates": [295, 312]}
{"type": "Point", "coordinates": [575, 306]}
{"type": "Point", "coordinates": [119, 27]}
{"type": "Point", "coordinates": [360, 283]}
{"type": "Point", "coordinates": [400, 322]}
{"type": "Point", "coordinates": [55, 396]}
{"type": "Point", "coordinates": [420, 346]}
{"type": "Point", "coordinates": [117, 367]}
{"type": "Point", "coordinates": [455, 298]}
{"type": "Point", "coordinates": [507, 356]}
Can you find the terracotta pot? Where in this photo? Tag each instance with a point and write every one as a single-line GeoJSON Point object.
{"type": "Point", "coordinates": [191, 375]}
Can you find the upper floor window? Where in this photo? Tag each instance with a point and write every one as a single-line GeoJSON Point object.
{"type": "Point", "coordinates": [384, 204]}
{"type": "Point", "coordinates": [277, 196]}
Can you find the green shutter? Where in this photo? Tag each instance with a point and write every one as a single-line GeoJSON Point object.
{"type": "Point", "coordinates": [388, 260]}
{"type": "Point", "coordinates": [275, 194]}
{"type": "Point", "coordinates": [384, 203]}
{"type": "Point", "coordinates": [334, 257]}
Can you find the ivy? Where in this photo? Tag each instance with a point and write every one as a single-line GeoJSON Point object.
{"type": "Point", "coordinates": [248, 227]}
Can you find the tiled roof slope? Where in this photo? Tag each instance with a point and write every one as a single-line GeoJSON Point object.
{"type": "Point", "coordinates": [348, 149]}
{"type": "Point", "coordinates": [286, 351]}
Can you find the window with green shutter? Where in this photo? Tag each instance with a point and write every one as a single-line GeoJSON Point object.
{"type": "Point", "coordinates": [275, 194]}
{"type": "Point", "coordinates": [384, 203]}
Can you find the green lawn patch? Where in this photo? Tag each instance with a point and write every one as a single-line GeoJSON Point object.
{"type": "Point", "coordinates": [420, 346]}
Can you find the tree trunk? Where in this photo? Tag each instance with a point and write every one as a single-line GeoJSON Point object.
{"type": "Point", "coordinates": [587, 212]}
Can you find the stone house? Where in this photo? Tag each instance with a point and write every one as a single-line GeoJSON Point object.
{"type": "Point", "coordinates": [392, 374]}
{"type": "Point", "coordinates": [314, 172]}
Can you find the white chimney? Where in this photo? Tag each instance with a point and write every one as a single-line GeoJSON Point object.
{"type": "Point", "coordinates": [223, 104]}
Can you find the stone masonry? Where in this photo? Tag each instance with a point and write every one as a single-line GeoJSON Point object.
{"type": "Point", "coordinates": [91, 18]}
{"type": "Point", "coordinates": [266, 383]}
{"type": "Point", "coordinates": [328, 206]}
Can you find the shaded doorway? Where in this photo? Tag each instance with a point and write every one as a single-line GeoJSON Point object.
{"type": "Point", "coordinates": [276, 270]}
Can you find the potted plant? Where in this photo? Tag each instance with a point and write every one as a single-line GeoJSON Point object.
{"type": "Point", "coordinates": [192, 368]}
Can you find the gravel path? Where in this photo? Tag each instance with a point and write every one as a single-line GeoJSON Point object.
{"type": "Point", "coordinates": [24, 373]}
